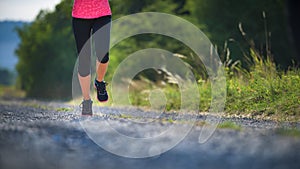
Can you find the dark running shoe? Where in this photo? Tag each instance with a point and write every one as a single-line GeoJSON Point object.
{"type": "Point", "coordinates": [101, 91]}
{"type": "Point", "coordinates": [86, 107]}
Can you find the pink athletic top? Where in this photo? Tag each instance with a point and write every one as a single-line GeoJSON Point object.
{"type": "Point", "coordinates": [89, 9]}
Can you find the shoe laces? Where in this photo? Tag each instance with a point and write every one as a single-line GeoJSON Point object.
{"type": "Point", "coordinates": [101, 87]}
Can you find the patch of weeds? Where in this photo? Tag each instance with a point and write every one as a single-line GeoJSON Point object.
{"type": "Point", "coordinates": [170, 120]}
{"type": "Point", "coordinates": [200, 123]}
{"type": "Point", "coordinates": [290, 132]}
{"type": "Point", "coordinates": [229, 125]}
{"type": "Point", "coordinates": [125, 116]}
{"type": "Point", "coordinates": [63, 109]}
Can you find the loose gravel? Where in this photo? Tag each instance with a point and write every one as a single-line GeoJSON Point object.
{"type": "Point", "coordinates": [46, 135]}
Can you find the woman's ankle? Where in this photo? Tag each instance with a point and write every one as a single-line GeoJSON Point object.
{"type": "Point", "coordinates": [86, 98]}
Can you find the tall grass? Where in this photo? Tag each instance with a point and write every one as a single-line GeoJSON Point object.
{"type": "Point", "coordinates": [260, 91]}
{"type": "Point", "coordinates": [263, 91]}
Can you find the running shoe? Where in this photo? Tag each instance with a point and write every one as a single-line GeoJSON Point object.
{"type": "Point", "coordinates": [101, 91]}
{"type": "Point", "coordinates": [86, 107]}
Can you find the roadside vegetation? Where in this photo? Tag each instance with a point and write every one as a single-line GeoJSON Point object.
{"type": "Point", "coordinates": [261, 82]}
{"type": "Point", "coordinates": [262, 91]}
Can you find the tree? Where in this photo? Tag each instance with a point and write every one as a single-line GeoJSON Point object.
{"type": "Point", "coordinates": [47, 54]}
{"type": "Point", "coordinates": [223, 17]}
{"type": "Point", "coordinates": [294, 26]}
{"type": "Point", "coordinates": [47, 50]}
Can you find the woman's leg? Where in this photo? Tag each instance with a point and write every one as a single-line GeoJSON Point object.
{"type": "Point", "coordinates": [101, 69]}
{"type": "Point", "coordinates": [82, 33]}
{"type": "Point", "coordinates": [85, 83]}
{"type": "Point", "coordinates": [101, 36]}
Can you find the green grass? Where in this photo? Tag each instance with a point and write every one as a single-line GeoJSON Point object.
{"type": "Point", "coordinates": [264, 91]}
{"type": "Point", "coordinates": [261, 92]}
{"type": "Point", "coordinates": [229, 125]}
{"type": "Point", "coordinates": [125, 116]}
{"type": "Point", "coordinates": [291, 132]}
{"type": "Point", "coordinates": [63, 109]}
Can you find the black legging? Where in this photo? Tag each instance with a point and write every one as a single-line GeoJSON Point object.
{"type": "Point", "coordinates": [83, 30]}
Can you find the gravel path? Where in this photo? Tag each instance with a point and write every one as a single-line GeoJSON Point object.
{"type": "Point", "coordinates": [43, 135]}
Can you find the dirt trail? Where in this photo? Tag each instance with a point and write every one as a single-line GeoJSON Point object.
{"type": "Point", "coordinates": [36, 136]}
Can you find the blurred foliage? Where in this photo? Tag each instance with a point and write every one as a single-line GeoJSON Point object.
{"type": "Point", "coordinates": [47, 50]}
{"type": "Point", "coordinates": [47, 54]}
{"type": "Point", "coordinates": [262, 92]}
{"type": "Point", "coordinates": [263, 21]}
{"type": "Point", "coordinates": [10, 92]}
{"type": "Point", "coordinates": [6, 77]}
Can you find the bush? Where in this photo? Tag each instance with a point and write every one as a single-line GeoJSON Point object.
{"type": "Point", "coordinates": [47, 54]}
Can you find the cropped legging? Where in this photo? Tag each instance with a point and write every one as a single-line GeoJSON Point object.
{"type": "Point", "coordinates": [87, 32]}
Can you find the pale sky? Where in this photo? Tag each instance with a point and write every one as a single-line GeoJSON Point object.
{"type": "Point", "coordinates": [25, 10]}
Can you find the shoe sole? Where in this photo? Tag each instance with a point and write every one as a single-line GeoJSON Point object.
{"type": "Point", "coordinates": [87, 114]}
